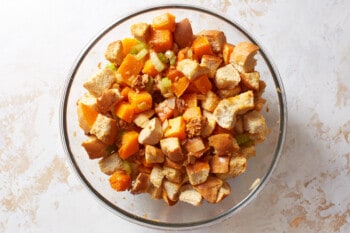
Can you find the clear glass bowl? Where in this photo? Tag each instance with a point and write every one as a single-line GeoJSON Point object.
{"type": "Point", "coordinates": [141, 209]}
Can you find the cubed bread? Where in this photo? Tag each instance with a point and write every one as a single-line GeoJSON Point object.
{"type": "Point", "coordinates": [111, 163]}
{"type": "Point", "coordinates": [153, 154]}
{"type": "Point", "coordinates": [141, 31]}
{"type": "Point", "coordinates": [210, 101]}
{"type": "Point", "coordinates": [227, 77]}
{"type": "Point", "coordinates": [191, 68]}
{"type": "Point", "coordinates": [94, 147]}
{"type": "Point", "coordinates": [108, 99]}
{"type": "Point", "coordinates": [212, 63]}
{"type": "Point", "coordinates": [100, 82]}
{"type": "Point", "coordinates": [105, 129]}
{"type": "Point", "coordinates": [189, 195]}
{"type": "Point", "coordinates": [172, 149]}
{"type": "Point", "coordinates": [114, 52]}
{"type": "Point", "coordinates": [198, 172]}
{"type": "Point", "coordinates": [210, 189]}
{"type": "Point", "coordinates": [216, 38]}
{"type": "Point", "coordinates": [152, 133]}
{"type": "Point", "coordinates": [242, 56]}
{"type": "Point", "coordinates": [223, 143]}
{"type": "Point", "coordinates": [251, 80]}
{"type": "Point", "coordinates": [226, 110]}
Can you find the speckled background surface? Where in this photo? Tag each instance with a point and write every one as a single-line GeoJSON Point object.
{"type": "Point", "coordinates": [309, 42]}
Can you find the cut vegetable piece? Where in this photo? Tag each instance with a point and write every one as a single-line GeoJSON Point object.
{"type": "Point", "coordinates": [157, 63]}
{"type": "Point", "coordinates": [128, 43]}
{"type": "Point", "coordinates": [142, 101]}
{"type": "Point", "coordinates": [201, 46]}
{"type": "Point", "coordinates": [120, 181]}
{"type": "Point", "coordinates": [165, 21]}
{"type": "Point", "coordinates": [125, 111]}
{"type": "Point", "coordinates": [129, 144]}
{"type": "Point", "coordinates": [149, 68]}
{"type": "Point", "coordinates": [130, 67]}
{"type": "Point", "coordinates": [183, 34]}
{"type": "Point", "coordinates": [203, 84]}
{"type": "Point", "coordinates": [161, 40]}
{"type": "Point", "coordinates": [179, 86]}
{"type": "Point", "coordinates": [176, 128]}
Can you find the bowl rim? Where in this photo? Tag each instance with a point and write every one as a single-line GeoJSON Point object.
{"type": "Point", "coordinates": [153, 223]}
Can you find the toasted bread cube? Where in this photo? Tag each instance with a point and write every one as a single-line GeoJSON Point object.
{"type": "Point", "coordinates": [94, 147]}
{"type": "Point", "coordinates": [212, 63]}
{"type": "Point", "coordinates": [141, 31]}
{"type": "Point", "coordinates": [216, 38]}
{"type": "Point", "coordinates": [111, 163]}
{"type": "Point", "coordinates": [87, 111]}
{"type": "Point", "coordinates": [141, 184]}
{"type": "Point", "coordinates": [224, 191]}
{"type": "Point", "coordinates": [100, 82]}
{"type": "Point", "coordinates": [155, 192]}
{"type": "Point", "coordinates": [142, 119]}
{"type": "Point", "coordinates": [251, 80]}
{"type": "Point", "coordinates": [105, 129]}
{"type": "Point", "coordinates": [223, 143]}
{"type": "Point", "coordinates": [226, 93]}
{"type": "Point", "coordinates": [225, 112]}
{"type": "Point", "coordinates": [171, 189]}
{"type": "Point", "coordinates": [248, 152]}
{"type": "Point", "coordinates": [198, 172]}
{"type": "Point", "coordinates": [239, 125]}
{"type": "Point", "coordinates": [210, 101]}
{"type": "Point", "coordinates": [242, 56]}
{"type": "Point", "coordinates": [191, 68]}
{"type": "Point", "coordinates": [189, 195]}
{"type": "Point", "coordinates": [172, 174]}
{"type": "Point", "coordinates": [210, 188]}
{"type": "Point", "coordinates": [114, 52]}
{"type": "Point", "coordinates": [227, 77]}
{"type": "Point", "coordinates": [210, 127]}
{"type": "Point", "coordinates": [153, 154]}
{"type": "Point", "coordinates": [219, 164]}
{"type": "Point", "coordinates": [172, 149]}
{"type": "Point", "coordinates": [254, 123]}
{"type": "Point", "coordinates": [157, 176]}
{"type": "Point", "coordinates": [108, 99]}
{"type": "Point", "coordinates": [238, 165]}
{"type": "Point", "coordinates": [194, 145]}
{"type": "Point", "coordinates": [152, 133]}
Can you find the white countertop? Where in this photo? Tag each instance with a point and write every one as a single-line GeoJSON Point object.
{"type": "Point", "coordinates": [309, 42]}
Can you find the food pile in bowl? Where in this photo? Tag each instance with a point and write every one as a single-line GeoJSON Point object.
{"type": "Point", "coordinates": [173, 113]}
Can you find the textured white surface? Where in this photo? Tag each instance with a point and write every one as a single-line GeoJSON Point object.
{"type": "Point", "coordinates": [309, 42]}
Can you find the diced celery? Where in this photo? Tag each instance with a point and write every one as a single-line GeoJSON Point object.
{"type": "Point", "coordinates": [138, 47]}
{"type": "Point", "coordinates": [111, 66]}
{"type": "Point", "coordinates": [127, 167]}
{"type": "Point", "coordinates": [158, 64]}
{"type": "Point", "coordinates": [162, 58]}
{"type": "Point", "coordinates": [242, 138]}
{"type": "Point", "coordinates": [140, 55]}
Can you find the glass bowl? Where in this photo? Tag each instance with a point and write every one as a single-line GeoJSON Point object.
{"type": "Point", "coordinates": [141, 209]}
